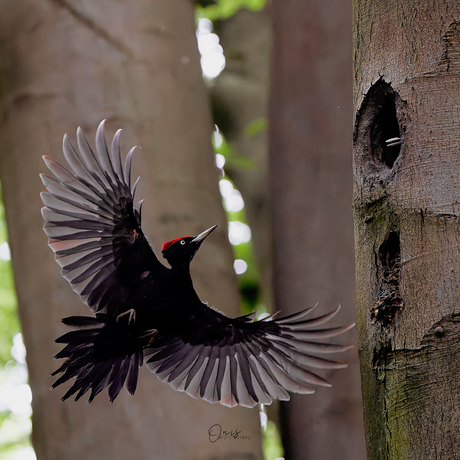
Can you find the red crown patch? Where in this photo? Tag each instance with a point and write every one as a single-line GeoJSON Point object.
{"type": "Point", "coordinates": [169, 243]}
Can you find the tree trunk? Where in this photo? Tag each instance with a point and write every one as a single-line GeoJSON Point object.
{"type": "Point", "coordinates": [406, 211]}
{"type": "Point", "coordinates": [311, 184]}
{"type": "Point", "coordinates": [136, 63]}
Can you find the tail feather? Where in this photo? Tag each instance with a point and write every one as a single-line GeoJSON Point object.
{"type": "Point", "coordinates": [95, 361]}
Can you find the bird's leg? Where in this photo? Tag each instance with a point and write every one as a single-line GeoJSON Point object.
{"type": "Point", "coordinates": [131, 318]}
{"type": "Point", "coordinates": [150, 335]}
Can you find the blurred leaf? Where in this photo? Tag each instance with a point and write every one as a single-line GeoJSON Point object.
{"type": "Point", "coordinates": [241, 162]}
{"type": "Point", "coordinates": [14, 433]}
{"type": "Point", "coordinates": [224, 148]}
{"type": "Point", "coordinates": [249, 280]}
{"type": "Point", "coordinates": [205, 2]}
{"type": "Point", "coordinates": [226, 8]}
{"type": "Point", "coordinates": [255, 127]}
{"type": "Point", "coordinates": [231, 159]}
{"type": "Point", "coordinates": [9, 323]}
{"type": "Point", "coordinates": [271, 442]}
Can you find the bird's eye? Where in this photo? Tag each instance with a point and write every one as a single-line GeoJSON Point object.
{"type": "Point", "coordinates": [182, 242]}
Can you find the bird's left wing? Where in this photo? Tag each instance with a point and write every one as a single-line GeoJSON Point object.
{"type": "Point", "coordinates": [93, 226]}
{"type": "Point", "coordinates": [241, 362]}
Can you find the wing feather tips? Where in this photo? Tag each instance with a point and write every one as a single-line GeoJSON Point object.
{"type": "Point", "coordinates": [251, 367]}
{"type": "Point", "coordinates": [91, 162]}
{"type": "Point", "coordinates": [103, 155]}
{"type": "Point", "coordinates": [113, 373]}
{"type": "Point", "coordinates": [133, 373]}
{"type": "Point", "coordinates": [193, 380]}
{"type": "Point", "coordinates": [127, 168]}
{"type": "Point", "coordinates": [210, 374]}
{"type": "Point", "coordinates": [118, 379]}
{"type": "Point", "coordinates": [302, 334]}
{"type": "Point", "coordinates": [85, 205]}
{"type": "Point", "coordinates": [116, 156]}
{"type": "Point", "coordinates": [207, 389]}
{"type": "Point", "coordinates": [244, 388]}
{"type": "Point", "coordinates": [96, 177]}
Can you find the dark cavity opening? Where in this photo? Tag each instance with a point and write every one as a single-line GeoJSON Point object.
{"type": "Point", "coordinates": [389, 302]}
{"type": "Point", "coordinates": [390, 253]}
{"type": "Point", "coordinates": [385, 132]}
{"type": "Point", "coordinates": [380, 125]}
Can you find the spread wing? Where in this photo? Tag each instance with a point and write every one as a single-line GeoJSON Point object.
{"type": "Point", "coordinates": [93, 226]}
{"type": "Point", "coordinates": [240, 362]}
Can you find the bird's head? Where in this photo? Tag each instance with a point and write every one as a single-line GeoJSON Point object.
{"type": "Point", "coordinates": [180, 251]}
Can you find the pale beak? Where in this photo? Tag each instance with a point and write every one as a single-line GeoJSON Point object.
{"type": "Point", "coordinates": [203, 235]}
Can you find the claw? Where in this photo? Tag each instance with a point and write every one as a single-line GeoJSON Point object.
{"type": "Point", "coordinates": [131, 318]}
{"type": "Point", "coordinates": [150, 334]}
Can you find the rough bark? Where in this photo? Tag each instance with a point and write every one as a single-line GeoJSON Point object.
{"type": "Point", "coordinates": [311, 184]}
{"type": "Point", "coordinates": [406, 211]}
{"type": "Point", "coordinates": [136, 63]}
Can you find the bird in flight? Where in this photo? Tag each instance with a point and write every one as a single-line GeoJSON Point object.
{"type": "Point", "coordinates": [146, 311]}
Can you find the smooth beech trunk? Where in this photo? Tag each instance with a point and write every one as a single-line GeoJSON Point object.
{"type": "Point", "coordinates": [406, 211]}
{"type": "Point", "coordinates": [311, 186]}
{"type": "Point", "coordinates": [135, 63]}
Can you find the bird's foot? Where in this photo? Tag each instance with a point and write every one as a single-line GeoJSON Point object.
{"type": "Point", "coordinates": [148, 337]}
{"type": "Point", "coordinates": [131, 316]}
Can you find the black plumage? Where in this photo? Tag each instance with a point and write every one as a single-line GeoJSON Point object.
{"type": "Point", "coordinates": [145, 311]}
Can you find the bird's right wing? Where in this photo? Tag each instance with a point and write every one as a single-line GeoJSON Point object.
{"type": "Point", "coordinates": [93, 226]}
{"type": "Point", "coordinates": [240, 362]}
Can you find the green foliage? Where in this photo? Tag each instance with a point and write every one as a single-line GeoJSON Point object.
{"type": "Point", "coordinates": [249, 280]}
{"type": "Point", "coordinates": [14, 435]}
{"type": "Point", "coordinates": [221, 9]}
{"type": "Point", "coordinates": [233, 160]}
{"type": "Point", "coordinates": [256, 127]}
{"type": "Point", "coordinates": [9, 324]}
{"type": "Point", "coordinates": [271, 442]}
{"type": "Point", "coordinates": [14, 428]}
{"type": "Point", "coordinates": [205, 2]}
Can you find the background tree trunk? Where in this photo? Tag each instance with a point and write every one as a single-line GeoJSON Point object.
{"type": "Point", "coordinates": [136, 63]}
{"type": "Point", "coordinates": [310, 163]}
{"type": "Point", "coordinates": [407, 207]}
